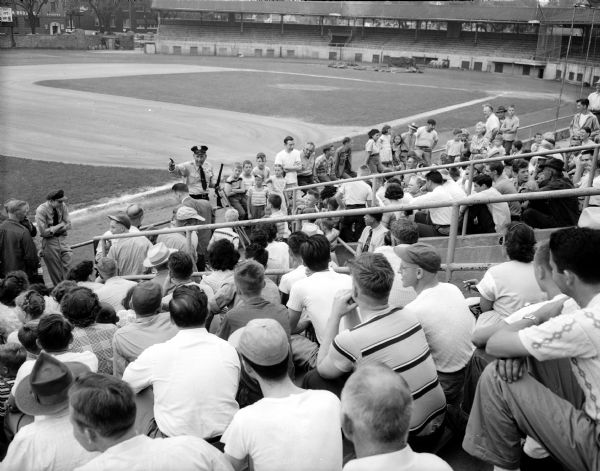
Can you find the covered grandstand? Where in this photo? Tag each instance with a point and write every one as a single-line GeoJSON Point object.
{"type": "Point", "coordinates": [501, 37]}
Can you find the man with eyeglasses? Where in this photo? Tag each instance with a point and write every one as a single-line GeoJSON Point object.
{"type": "Point", "coordinates": [444, 315]}
{"type": "Point", "coordinates": [307, 160]}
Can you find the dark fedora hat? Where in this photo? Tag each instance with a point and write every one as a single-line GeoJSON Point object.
{"type": "Point", "coordinates": [45, 390]}
{"type": "Point", "coordinates": [556, 164]}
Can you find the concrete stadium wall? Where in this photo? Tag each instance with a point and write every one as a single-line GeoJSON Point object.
{"type": "Point", "coordinates": [580, 72]}
{"type": "Point", "coordinates": [166, 45]}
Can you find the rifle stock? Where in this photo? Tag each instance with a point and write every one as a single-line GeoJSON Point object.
{"type": "Point", "coordinates": [217, 187]}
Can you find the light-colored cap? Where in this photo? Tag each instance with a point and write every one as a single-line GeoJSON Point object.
{"type": "Point", "coordinates": [264, 342]}
{"type": "Point", "coordinates": [184, 213]}
{"type": "Point", "coordinates": [157, 255]}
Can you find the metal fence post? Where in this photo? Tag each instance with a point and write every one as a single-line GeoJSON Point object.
{"type": "Point", "coordinates": [452, 241]}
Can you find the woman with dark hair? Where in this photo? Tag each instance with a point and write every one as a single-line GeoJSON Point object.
{"type": "Point", "coordinates": [14, 284]}
{"type": "Point", "coordinates": [509, 286]}
{"type": "Point", "coordinates": [373, 148]}
{"type": "Point", "coordinates": [82, 274]}
{"type": "Point", "coordinates": [57, 293]}
{"type": "Point", "coordinates": [394, 195]}
{"type": "Point", "coordinates": [81, 307]}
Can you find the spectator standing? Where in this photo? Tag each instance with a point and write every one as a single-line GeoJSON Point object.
{"type": "Point", "coordinates": [247, 176]}
{"type": "Point", "coordinates": [385, 148]}
{"type": "Point", "coordinates": [236, 191]}
{"type": "Point", "coordinates": [508, 129]}
{"type": "Point", "coordinates": [48, 442]}
{"type": "Point", "coordinates": [480, 143]}
{"type": "Point", "coordinates": [584, 119]}
{"type": "Point", "coordinates": [384, 335]}
{"type": "Point", "coordinates": [198, 174]}
{"type": "Point", "coordinates": [324, 166]}
{"type": "Point", "coordinates": [290, 161]}
{"type": "Point", "coordinates": [492, 123]}
{"type": "Point", "coordinates": [194, 375]}
{"type": "Point", "coordinates": [53, 222]}
{"type": "Point", "coordinates": [354, 195]}
{"type": "Point", "coordinates": [448, 330]}
{"type": "Point", "coordinates": [114, 288]}
{"type": "Point", "coordinates": [290, 428]}
{"type": "Point", "coordinates": [510, 403]}
{"type": "Point", "coordinates": [103, 413]}
{"type": "Point", "coordinates": [80, 306]}
{"type": "Point", "coordinates": [307, 161]}
{"type": "Point", "coordinates": [455, 147]}
{"type": "Point", "coordinates": [261, 168]}
{"type": "Point", "coordinates": [342, 163]}
{"type": "Point", "coordinates": [257, 198]}
{"type": "Point", "coordinates": [594, 101]}
{"type": "Point", "coordinates": [376, 413]}
{"type": "Point", "coordinates": [426, 139]}
{"type": "Point", "coordinates": [17, 248]}
{"type": "Point", "coordinates": [151, 326]}
{"type": "Point", "coordinates": [409, 139]}
{"type": "Point", "coordinates": [373, 149]}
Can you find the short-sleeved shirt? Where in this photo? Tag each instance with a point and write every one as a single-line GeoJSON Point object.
{"type": "Point", "coordinates": [313, 296]}
{"type": "Point", "coordinates": [396, 339]}
{"type": "Point", "coordinates": [510, 286]}
{"type": "Point", "coordinates": [355, 193]}
{"type": "Point", "coordinates": [96, 338]}
{"type": "Point", "coordinates": [190, 173]}
{"type": "Point", "coordinates": [298, 432]}
{"type": "Point", "coordinates": [289, 159]}
{"type": "Point", "coordinates": [509, 123]}
{"type": "Point", "coordinates": [372, 147]}
{"type": "Point", "coordinates": [448, 330]}
{"type": "Point", "coordinates": [425, 138]}
{"type": "Point", "coordinates": [130, 255]}
{"type": "Point", "coordinates": [575, 336]}
{"type": "Point", "coordinates": [241, 314]}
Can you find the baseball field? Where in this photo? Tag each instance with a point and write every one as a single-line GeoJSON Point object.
{"type": "Point", "coordinates": [102, 125]}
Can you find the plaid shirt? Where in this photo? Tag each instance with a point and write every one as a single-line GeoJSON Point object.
{"type": "Point", "coordinates": [96, 338]}
{"type": "Point", "coordinates": [6, 385]}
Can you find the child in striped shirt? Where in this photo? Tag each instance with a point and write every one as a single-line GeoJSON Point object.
{"type": "Point", "coordinates": [257, 198]}
{"type": "Point", "coordinates": [276, 185]}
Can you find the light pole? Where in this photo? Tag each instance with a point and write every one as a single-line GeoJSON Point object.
{"type": "Point", "coordinates": [587, 55]}
{"type": "Point", "coordinates": [577, 4]}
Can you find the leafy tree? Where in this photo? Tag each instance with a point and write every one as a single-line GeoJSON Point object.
{"type": "Point", "coordinates": [32, 8]}
{"type": "Point", "coordinates": [104, 11]}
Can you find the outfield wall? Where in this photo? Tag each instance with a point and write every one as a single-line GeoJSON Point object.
{"type": "Point", "coordinates": [359, 55]}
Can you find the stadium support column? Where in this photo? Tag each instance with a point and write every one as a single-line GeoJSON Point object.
{"type": "Point", "coordinates": [281, 21]}
{"type": "Point", "coordinates": [242, 23]}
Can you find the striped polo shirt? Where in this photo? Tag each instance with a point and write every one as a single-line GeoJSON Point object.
{"type": "Point", "coordinates": [396, 339]}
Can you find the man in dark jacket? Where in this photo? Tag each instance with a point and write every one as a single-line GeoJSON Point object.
{"type": "Point", "coordinates": [557, 212]}
{"type": "Point", "coordinates": [17, 249]}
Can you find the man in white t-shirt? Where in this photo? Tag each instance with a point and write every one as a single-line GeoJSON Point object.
{"type": "Point", "coordinates": [594, 100]}
{"type": "Point", "coordinates": [290, 428]}
{"type": "Point", "coordinates": [288, 280]}
{"type": "Point", "coordinates": [434, 222]}
{"type": "Point", "coordinates": [492, 123]}
{"type": "Point", "coordinates": [376, 410]}
{"type": "Point", "coordinates": [290, 159]}
{"type": "Point", "coordinates": [311, 298]}
{"type": "Point", "coordinates": [444, 314]}
{"type": "Point", "coordinates": [103, 414]}
{"type": "Point", "coordinates": [426, 139]}
{"type": "Point", "coordinates": [509, 403]}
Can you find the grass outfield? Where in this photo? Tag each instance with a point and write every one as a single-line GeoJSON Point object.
{"type": "Point", "coordinates": [84, 185]}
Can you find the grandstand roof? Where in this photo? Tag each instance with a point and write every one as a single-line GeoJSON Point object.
{"type": "Point", "coordinates": [400, 10]}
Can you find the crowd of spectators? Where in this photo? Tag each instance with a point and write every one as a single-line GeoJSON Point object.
{"type": "Point", "coordinates": [305, 367]}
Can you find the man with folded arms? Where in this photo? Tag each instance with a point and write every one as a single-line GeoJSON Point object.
{"type": "Point", "coordinates": [103, 413]}
{"type": "Point", "coordinates": [290, 428]}
{"type": "Point", "coordinates": [510, 403]}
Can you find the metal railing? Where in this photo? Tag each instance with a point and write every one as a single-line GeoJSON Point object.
{"type": "Point", "coordinates": [470, 164]}
{"type": "Point", "coordinates": [455, 205]}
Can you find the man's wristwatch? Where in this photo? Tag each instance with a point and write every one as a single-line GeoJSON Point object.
{"type": "Point", "coordinates": [531, 317]}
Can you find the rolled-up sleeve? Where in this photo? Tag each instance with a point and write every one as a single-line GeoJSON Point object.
{"type": "Point", "coordinates": [139, 373]}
